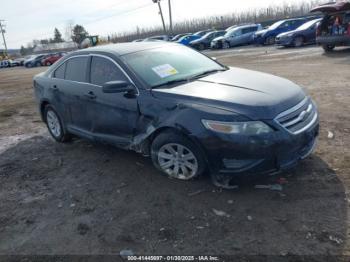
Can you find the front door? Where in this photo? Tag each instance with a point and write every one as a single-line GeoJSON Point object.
{"type": "Point", "coordinates": [114, 115]}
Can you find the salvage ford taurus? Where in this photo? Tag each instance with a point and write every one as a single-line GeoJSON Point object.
{"type": "Point", "coordinates": [185, 110]}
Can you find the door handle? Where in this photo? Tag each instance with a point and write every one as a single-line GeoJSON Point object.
{"type": "Point", "coordinates": [90, 95]}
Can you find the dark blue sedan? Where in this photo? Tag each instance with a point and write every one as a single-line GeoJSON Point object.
{"type": "Point", "coordinates": [304, 34]}
{"type": "Point", "coordinates": [267, 36]}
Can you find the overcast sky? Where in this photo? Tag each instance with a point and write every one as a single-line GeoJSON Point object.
{"type": "Point", "coordinates": [36, 19]}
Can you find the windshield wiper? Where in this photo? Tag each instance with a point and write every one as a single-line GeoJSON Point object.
{"type": "Point", "coordinates": [170, 82]}
{"type": "Point", "coordinates": [202, 74]}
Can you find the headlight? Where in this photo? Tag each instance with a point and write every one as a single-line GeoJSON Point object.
{"type": "Point", "coordinates": [244, 128]}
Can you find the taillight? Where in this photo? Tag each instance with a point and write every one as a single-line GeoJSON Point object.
{"type": "Point", "coordinates": [318, 31]}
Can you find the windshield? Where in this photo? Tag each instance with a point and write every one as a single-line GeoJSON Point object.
{"type": "Point", "coordinates": [208, 35]}
{"type": "Point", "coordinates": [275, 25]}
{"type": "Point", "coordinates": [308, 24]}
{"type": "Point", "coordinates": [231, 32]}
{"type": "Point", "coordinates": [171, 63]}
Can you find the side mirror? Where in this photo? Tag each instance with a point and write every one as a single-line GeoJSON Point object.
{"type": "Point", "coordinates": [117, 87]}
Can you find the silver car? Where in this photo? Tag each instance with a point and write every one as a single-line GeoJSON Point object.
{"type": "Point", "coordinates": [241, 35]}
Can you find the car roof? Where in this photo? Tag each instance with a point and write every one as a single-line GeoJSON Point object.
{"type": "Point", "coordinates": [124, 48]}
{"type": "Point", "coordinates": [332, 7]}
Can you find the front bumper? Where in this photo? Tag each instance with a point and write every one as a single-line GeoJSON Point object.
{"type": "Point", "coordinates": [284, 41]}
{"type": "Point", "coordinates": [270, 153]}
{"type": "Point", "coordinates": [258, 39]}
{"type": "Point", "coordinates": [216, 45]}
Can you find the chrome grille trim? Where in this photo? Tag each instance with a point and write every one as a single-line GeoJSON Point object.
{"type": "Point", "coordinates": [291, 119]}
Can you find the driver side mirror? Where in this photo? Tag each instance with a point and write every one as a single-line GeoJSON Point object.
{"type": "Point", "coordinates": [117, 87]}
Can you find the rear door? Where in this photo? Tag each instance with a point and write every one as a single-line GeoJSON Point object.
{"type": "Point", "coordinates": [247, 34]}
{"type": "Point", "coordinates": [113, 115]}
{"type": "Point", "coordinates": [72, 93]}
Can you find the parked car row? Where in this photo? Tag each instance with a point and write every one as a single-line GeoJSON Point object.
{"type": "Point", "coordinates": [11, 63]}
{"type": "Point", "coordinates": [33, 60]}
{"type": "Point", "coordinates": [43, 59]}
{"type": "Point", "coordinates": [289, 32]}
{"type": "Point", "coordinates": [329, 30]}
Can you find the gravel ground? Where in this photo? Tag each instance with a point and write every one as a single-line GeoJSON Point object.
{"type": "Point", "coordinates": [84, 198]}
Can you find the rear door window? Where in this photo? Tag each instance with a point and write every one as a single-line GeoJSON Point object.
{"type": "Point", "coordinates": [104, 70]}
{"type": "Point", "coordinates": [59, 73]}
{"type": "Point", "coordinates": [76, 69]}
{"type": "Point", "coordinates": [249, 29]}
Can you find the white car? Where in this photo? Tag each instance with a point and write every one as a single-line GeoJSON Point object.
{"type": "Point", "coordinates": [4, 63]}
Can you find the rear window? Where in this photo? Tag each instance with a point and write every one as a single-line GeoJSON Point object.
{"type": "Point", "coordinates": [249, 30]}
{"type": "Point", "coordinates": [76, 69]}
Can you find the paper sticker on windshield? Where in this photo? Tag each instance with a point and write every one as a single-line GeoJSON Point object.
{"type": "Point", "coordinates": [164, 70]}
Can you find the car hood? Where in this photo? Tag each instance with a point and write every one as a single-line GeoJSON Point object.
{"type": "Point", "coordinates": [288, 32]}
{"type": "Point", "coordinates": [262, 32]}
{"type": "Point", "coordinates": [218, 38]}
{"type": "Point", "coordinates": [252, 94]}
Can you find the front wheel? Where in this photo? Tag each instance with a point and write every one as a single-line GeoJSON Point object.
{"type": "Point", "coordinates": [270, 40]}
{"type": "Point", "coordinates": [328, 48]}
{"type": "Point", "coordinates": [177, 156]}
{"type": "Point", "coordinates": [225, 45]}
{"type": "Point", "coordinates": [54, 124]}
{"type": "Point", "coordinates": [298, 41]}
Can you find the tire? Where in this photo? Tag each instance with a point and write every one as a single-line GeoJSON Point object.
{"type": "Point", "coordinates": [270, 40]}
{"type": "Point", "coordinates": [225, 45]}
{"type": "Point", "coordinates": [54, 125]}
{"type": "Point", "coordinates": [328, 48]}
{"type": "Point", "coordinates": [166, 156]}
{"type": "Point", "coordinates": [298, 41]}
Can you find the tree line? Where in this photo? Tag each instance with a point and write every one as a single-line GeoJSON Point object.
{"type": "Point", "coordinates": [77, 35]}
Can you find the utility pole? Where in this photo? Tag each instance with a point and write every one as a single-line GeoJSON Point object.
{"type": "Point", "coordinates": [161, 13]}
{"type": "Point", "coordinates": [170, 18]}
{"type": "Point", "coordinates": [2, 30]}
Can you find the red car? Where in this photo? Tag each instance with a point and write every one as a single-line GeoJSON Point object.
{"type": "Point", "coordinates": [334, 29]}
{"type": "Point", "coordinates": [47, 61]}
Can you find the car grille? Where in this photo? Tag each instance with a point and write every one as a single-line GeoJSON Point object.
{"type": "Point", "coordinates": [298, 118]}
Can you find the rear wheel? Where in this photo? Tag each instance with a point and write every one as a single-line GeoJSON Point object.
{"type": "Point", "coordinates": [298, 41]}
{"type": "Point", "coordinates": [54, 124]}
{"type": "Point", "coordinates": [328, 48]}
{"type": "Point", "coordinates": [177, 156]}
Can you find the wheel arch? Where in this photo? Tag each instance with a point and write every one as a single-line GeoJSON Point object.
{"type": "Point", "coordinates": [43, 104]}
{"type": "Point", "coordinates": [180, 130]}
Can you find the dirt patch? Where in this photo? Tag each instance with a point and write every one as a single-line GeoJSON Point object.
{"type": "Point", "coordinates": [85, 198]}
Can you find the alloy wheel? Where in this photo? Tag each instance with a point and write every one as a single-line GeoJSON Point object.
{"type": "Point", "coordinates": [53, 123]}
{"type": "Point", "coordinates": [177, 161]}
{"type": "Point", "coordinates": [298, 42]}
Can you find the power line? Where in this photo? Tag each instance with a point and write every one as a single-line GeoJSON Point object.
{"type": "Point", "coordinates": [2, 30]}
{"type": "Point", "coordinates": [95, 20]}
